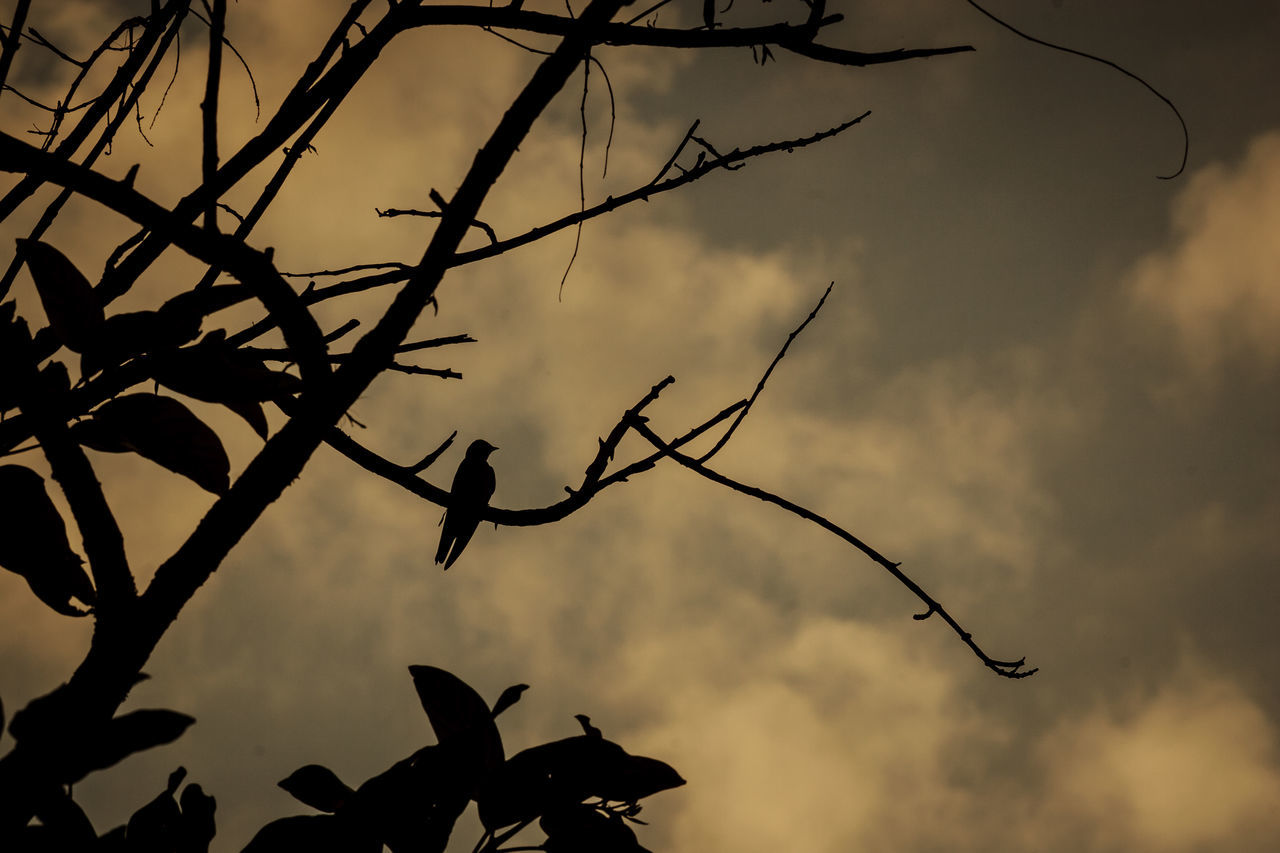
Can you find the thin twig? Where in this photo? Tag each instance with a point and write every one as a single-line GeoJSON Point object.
{"type": "Point", "coordinates": [392, 212]}
{"type": "Point", "coordinates": [582, 186]}
{"type": "Point", "coordinates": [657, 187]}
{"type": "Point", "coordinates": [253, 84]}
{"type": "Point", "coordinates": [724, 439]}
{"type": "Point", "coordinates": [429, 460]}
{"type": "Point", "coordinates": [1006, 668]}
{"type": "Point", "coordinates": [1186, 135]}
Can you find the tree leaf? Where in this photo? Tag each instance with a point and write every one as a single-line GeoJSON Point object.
{"type": "Point", "coordinates": [565, 772]}
{"type": "Point", "coordinates": [452, 706]}
{"type": "Point", "coordinates": [580, 828]}
{"type": "Point", "coordinates": [156, 825]}
{"type": "Point", "coordinates": [129, 733]}
{"type": "Point", "coordinates": [73, 308]}
{"type": "Point", "coordinates": [635, 777]}
{"type": "Point", "coordinates": [124, 336]}
{"type": "Point", "coordinates": [317, 786]}
{"type": "Point", "coordinates": [162, 430]}
{"type": "Point", "coordinates": [543, 777]}
{"type": "Point", "coordinates": [215, 371]}
{"type": "Point", "coordinates": [414, 804]}
{"type": "Point", "coordinates": [33, 543]}
{"type": "Point", "coordinates": [509, 697]}
{"type": "Point", "coordinates": [251, 411]}
{"type": "Point", "coordinates": [319, 833]}
{"type": "Point", "coordinates": [198, 827]}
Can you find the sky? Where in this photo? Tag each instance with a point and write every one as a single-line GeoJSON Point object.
{"type": "Point", "coordinates": [1044, 381]}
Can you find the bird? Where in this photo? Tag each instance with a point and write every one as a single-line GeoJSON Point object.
{"type": "Point", "coordinates": [473, 485]}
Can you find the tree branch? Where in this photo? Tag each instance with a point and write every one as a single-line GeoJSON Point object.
{"type": "Point", "coordinates": [209, 109]}
{"type": "Point", "coordinates": [728, 162]}
{"type": "Point", "coordinates": [253, 268]}
{"type": "Point", "coordinates": [103, 541]}
{"type": "Point", "coordinates": [12, 39]}
{"type": "Point", "coordinates": [1006, 668]}
{"type": "Point", "coordinates": [797, 38]}
{"type": "Point", "coordinates": [728, 434]}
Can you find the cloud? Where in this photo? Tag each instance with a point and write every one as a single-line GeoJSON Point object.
{"type": "Point", "coordinates": [1191, 767]}
{"type": "Point", "coordinates": [829, 741]}
{"type": "Point", "coordinates": [1217, 287]}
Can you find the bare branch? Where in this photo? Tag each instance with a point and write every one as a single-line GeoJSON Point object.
{"type": "Point", "coordinates": [391, 212]}
{"type": "Point", "coordinates": [431, 343]}
{"type": "Point", "coordinates": [724, 439]}
{"type": "Point", "coordinates": [1186, 134]}
{"type": "Point", "coordinates": [610, 444]}
{"type": "Point", "coordinates": [209, 109]}
{"type": "Point", "coordinates": [429, 460]}
{"type": "Point", "coordinates": [656, 187]}
{"type": "Point", "coordinates": [402, 475]}
{"type": "Point", "coordinates": [792, 37]}
{"type": "Point", "coordinates": [12, 39]}
{"type": "Point", "coordinates": [1006, 668]}
{"type": "Point", "coordinates": [211, 23]}
{"type": "Point", "coordinates": [171, 23]}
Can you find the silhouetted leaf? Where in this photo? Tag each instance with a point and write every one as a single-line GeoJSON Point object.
{"type": "Point", "coordinates": [129, 733]}
{"type": "Point", "coordinates": [543, 777]}
{"type": "Point", "coordinates": [509, 697]}
{"type": "Point", "coordinates": [251, 411]}
{"type": "Point", "coordinates": [73, 308]}
{"type": "Point", "coordinates": [587, 728]}
{"type": "Point", "coordinates": [461, 720]}
{"type": "Point", "coordinates": [33, 542]}
{"type": "Point", "coordinates": [452, 706]}
{"type": "Point", "coordinates": [197, 827]}
{"type": "Point", "coordinates": [636, 777]}
{"type": "Point", "coordinates": [215, 371]}
{"type": "Point", "coordinates": [318, 787]}
{"type": "Point", "coordinates": [320, 833]}
{"type": "Point", "coordinates": [584, 829]}
{"type": "Point", "coordinates": [162, 430]}
{"type": "Point", "coordinates": [414, 804]}
{"type": "Point", "coordinates": [154, 828]}
{"type": "Point", "coordinates": [565, 772]}
{"type": "Point", "coordinates": [67, 827]}
{"type": "Point", "coordinates": [124, 336]}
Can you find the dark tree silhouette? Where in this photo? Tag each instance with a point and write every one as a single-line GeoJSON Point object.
{"type": "Point", "coordinates": [124, 395]}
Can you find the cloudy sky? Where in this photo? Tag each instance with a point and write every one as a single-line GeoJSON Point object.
{"type": "Point", "coordinates": [1045, 381]}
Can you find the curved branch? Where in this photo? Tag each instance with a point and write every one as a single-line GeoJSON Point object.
{"type": "Point", "coordinates": [1186, 134]}
{"type": "Point", "coordinates": [1006, 668]}
{"type": "Point", "coordinates": [406, 477]}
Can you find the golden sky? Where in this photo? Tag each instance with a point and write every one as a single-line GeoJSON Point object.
{"type": "Point", "coordinates": [1044, 381]}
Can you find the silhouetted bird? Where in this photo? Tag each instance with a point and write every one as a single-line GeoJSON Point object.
{"type": "Point", "coordinates": [473, 485]}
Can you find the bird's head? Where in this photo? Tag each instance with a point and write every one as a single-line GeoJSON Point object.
{"type": "Point", "coordinates": [480, 449]}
